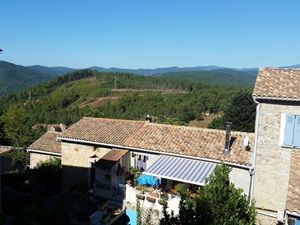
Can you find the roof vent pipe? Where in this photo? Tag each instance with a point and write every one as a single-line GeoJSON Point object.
{"type": "Point", "coordinates": [148, 118]}
{"type": "Point", "coordinates": [227, 138]}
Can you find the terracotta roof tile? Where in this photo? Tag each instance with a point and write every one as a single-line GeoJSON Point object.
{"type": "Point", "coordinates": [181, 140]}
{"type": "Point", "coordinates": [277, 83]}
{"type": "Point", "coordinates": [47, 143]}
{"type": "Point", "coordinates": [102, 130]}
{"type": "Point", "coordinates": [293, 195]}
{"type": "Point", "coordinates": [111, 158]}
{"type": "Point", "coordinates": [191, 141]}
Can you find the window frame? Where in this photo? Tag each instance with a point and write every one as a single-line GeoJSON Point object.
{"type": "Point", "coordinates": [283, 131]}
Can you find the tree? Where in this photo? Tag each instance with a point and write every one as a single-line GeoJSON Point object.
{"type": "Point", "coordinates": [219, 202]}
{"type": "Point", "coordinates": [16, 126]}
{"type": "Point", "coordinates": [240, 111]}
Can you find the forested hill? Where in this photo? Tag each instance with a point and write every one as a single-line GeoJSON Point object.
{"type": "Point", "coordinates": [219, 76]}
{"type": "Point", "coordinates": [66, 99]}
{"type": "Point", "coordinates": [15, 78]}
{"type": "Point", "coordinates": [56, 71]}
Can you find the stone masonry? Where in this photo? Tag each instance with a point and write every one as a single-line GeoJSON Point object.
{"type": "Point", "coordinates": [272, 163]}
{"type": "Point", "coordinates": [76, 163]}
{"type": "Point", "coordinates": [36, 158]}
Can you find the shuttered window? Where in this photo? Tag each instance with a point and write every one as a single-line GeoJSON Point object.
{"type": "Point", "coordinates": [292, 130]}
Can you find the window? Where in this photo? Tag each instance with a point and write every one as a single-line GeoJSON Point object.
{"type": "Point", "coordinates": [291, 130]}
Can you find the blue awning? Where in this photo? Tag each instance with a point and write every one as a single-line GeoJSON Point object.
{"type": "Point", "coordinates": [181, 169]}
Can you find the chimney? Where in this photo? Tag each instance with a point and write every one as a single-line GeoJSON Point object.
{"type": "Point", "coordinates": [148, 118]}
{"type": "Point", "coordinates": [227, 138]}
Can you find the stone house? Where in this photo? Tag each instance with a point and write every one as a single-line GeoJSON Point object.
{"type": "Point", "coordinates": [276, 183]}
{"type": "Point", "coordinates": [93, 150]}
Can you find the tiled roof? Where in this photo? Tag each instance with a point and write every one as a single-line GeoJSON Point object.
{"type": "Point", "coordinates": [293, 196]}
{"type": "Point", "coordinates": [102, 130]}
{"type": "Point", "coordinates": [191, 141]}
{"type": "Point", "coordinates": [277, 83]}
{"type": "Point", "coordinates": [111, 158]}
{"type": "Point", "coordinates": [4, 148]}
{"type": "Point", "coordinates": [47, 143]}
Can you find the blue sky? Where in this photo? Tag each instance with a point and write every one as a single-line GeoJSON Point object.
{"type": "Point", "coordinates": [150, 34]}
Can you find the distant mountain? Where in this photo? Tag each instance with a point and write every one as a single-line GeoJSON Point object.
{"type": "Point", "coordinates": [296, 66]}
{"type": "Point", "coordinates": [15, 78]}
{"type": "Point", "coordinates": [56, 71]}
{"type": "Point", "coordinates": [159, 71]}
{"type": "Point", "coordinates": [219, 76]}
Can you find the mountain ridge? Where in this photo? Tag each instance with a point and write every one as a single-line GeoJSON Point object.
{"type": "Point", "coordinates": [17, 77]}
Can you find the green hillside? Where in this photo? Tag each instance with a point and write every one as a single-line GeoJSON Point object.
{"type": "Point", "coordinates": [55, 71]}
{"type": "Point", "coordinates": [14, 78]}
{"type": "Point", "coordinates": [220, 76]}
{"type": "Point", "coordinates": [68, 98]}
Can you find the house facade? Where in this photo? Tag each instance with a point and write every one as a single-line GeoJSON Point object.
{"type": "Point", "coordinates": [93, 149]}
{"type": "Point", "coordinates": [276, 183]}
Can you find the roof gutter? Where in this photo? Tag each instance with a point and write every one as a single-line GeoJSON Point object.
{"type": "Point", "coordinates": [245, 167]}
{"type": "Point", "coordinates": [275, 98]}
{"type": "Point", "coordinates": [43, 152]}
{"type": "Point", "coordinates": [294, 214]}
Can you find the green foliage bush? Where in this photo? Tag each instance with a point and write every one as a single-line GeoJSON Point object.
{"type": "Point", "coordinates": [219, 202]}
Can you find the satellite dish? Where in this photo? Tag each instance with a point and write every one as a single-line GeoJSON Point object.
{"type": "Point", "coordinates": [246, 141]}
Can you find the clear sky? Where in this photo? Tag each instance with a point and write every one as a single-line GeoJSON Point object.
{"type": "Point", "coordinates": [150, 34]}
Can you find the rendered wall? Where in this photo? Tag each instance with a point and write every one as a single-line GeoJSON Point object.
{"type": "Point", "coordinates": [241, 179]}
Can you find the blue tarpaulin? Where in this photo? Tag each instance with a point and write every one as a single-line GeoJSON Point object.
{"type": "Point", "coordinates": [147, 179]}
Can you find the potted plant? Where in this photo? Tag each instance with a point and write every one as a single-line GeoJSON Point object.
{"type": "Point", "coordinates": [180, 188]}
{"type": "Point", "coordinates": [142, 197]}
{"type": "Point", "coordinates": [152, 200]}
{"type": "Point", "coordinates": [155, 195]}
{"type": "Point", "coordinates": [164, 196]}
{"type": "Point", "coordinates": [135, 173]}
{"type": "Point", "coordinates": [161, 201]}
{"type": "Point", "coordinates": [142, 189]}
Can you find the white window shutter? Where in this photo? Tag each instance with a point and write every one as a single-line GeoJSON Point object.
{"type": "Point", "coordinates": [289, 130]}
{"type": "Point", "coordinates": [296, 140]}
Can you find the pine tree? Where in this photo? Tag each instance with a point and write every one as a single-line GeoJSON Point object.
{"type": "Point", "coordinates": [240, 111]}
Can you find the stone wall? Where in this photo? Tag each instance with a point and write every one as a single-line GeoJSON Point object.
{"type": "Point", "coordinates": [76, 164]}
{"type": "Point", "coordinates": [36, 158]}
{"type": "Point", "coordinates": [272, 160]}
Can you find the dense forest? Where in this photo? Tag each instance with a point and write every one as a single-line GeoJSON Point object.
{"type": "Point", "coordinates": [218, 76]}
{"type": "Point", "coordinates": [68, 98]}
{"type": "Point", "coordinates": [16, 78]}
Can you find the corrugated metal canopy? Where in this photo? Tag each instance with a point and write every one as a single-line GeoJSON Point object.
{"type": "Point", "coordinates": [181, 169]}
